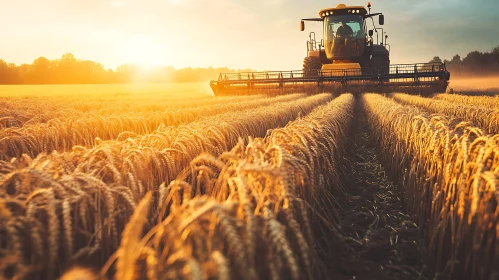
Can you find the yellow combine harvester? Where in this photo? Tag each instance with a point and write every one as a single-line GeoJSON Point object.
{"type": "Point", "coordinates": [347, 58]}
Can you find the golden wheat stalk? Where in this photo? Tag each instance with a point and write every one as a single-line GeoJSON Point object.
{"type": "Point", "coordinates": [446, 168]}
{"type": "Point", "coordinates": [483, 117]}
{"type": "Point", "coordinates": [62, 133]}
{"type": "Point", "coordinates": [248, 206]}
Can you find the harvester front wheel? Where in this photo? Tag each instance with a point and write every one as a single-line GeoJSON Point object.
{"type": "Point", "coordinates": [311, 66]}
{"type": "Point", "coordinates": [381, 64]}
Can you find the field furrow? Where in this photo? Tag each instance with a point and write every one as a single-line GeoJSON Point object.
{"type": "Point", "coordinates": [449, 171]}
{"type": "Point", "coordinates": [73, 207]}
{"type": "Point", "coordinates": [63, 134]}
{"type": "Point", "coordinates": [485, 118]}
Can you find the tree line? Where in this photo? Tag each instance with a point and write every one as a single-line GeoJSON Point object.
{"type": "Point", "coordinates": [474, 64]}
{"type": "Point", "coordinates": [70, 70]}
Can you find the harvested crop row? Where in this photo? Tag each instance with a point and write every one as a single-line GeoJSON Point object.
{"type": "Point", "coordinates": [485, 118]}
{"type": "Point", "coordinates": [63, 134]}
{"type": "Point", "coordinates": [75, 205]}
{"type": "Point", "coordinates": [450, 172]}
{"type": "Point", "coordinates": [490, 102]}
{"type": "Point", "coordinates": [245, 215]}
{"type": "Point", "coordinates": [19, 111]}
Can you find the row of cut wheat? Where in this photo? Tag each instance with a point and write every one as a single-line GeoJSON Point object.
{"type": "Point", "coordinates": [490, 102]}
{"type": "Point", "coordinates": [450, 171]}
{"type": "Point", "coordinates": [72, 207]}
{"type": "Point", "coordinates": [245, 214]}
{"type": "Point", "coordinates": [63, 134]}
{"type": "Point", "coordinates": [483, 117]}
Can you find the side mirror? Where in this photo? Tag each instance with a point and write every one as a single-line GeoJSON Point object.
{"type": "Point", "coordinates": [302, 25]}
{"type": "Point", "coordinates": [381, 19]}
{"type": "Point", "coordinates": [371, 33]}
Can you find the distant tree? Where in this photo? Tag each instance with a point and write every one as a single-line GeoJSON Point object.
{"type": "Point", "coordinates": [8, 73]}
{"type": "Point", "coordinates": [474, 63]}
{"type": "Point", "coordinates": [436, 59]}
{"type": "Point", "coordinates": [495, 59]}
{"type": "Point", "coordinates": [455, 65]}
{"type": "Point", "coordinates": [456, 59]}
{"type": "Point", "coordinates": [42, 71]}
{"type": "Point", "coordinates": [67, 72]}
{"type": "Point", "coordinates": [70, 70]}
{"type": "Point", "coordinates": [14, 75]}
{"type": "Point", "coordinates": [25, 73]}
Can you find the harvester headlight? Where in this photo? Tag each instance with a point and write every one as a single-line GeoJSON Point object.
{"type": "Point", "coordinates": [327, 13]}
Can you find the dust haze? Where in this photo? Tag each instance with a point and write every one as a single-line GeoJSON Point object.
{"type": "Point", "coordinates": [489, 84]}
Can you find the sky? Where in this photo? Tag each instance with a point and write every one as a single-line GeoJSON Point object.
{"type": "Point", "coordinates": [257, 34]}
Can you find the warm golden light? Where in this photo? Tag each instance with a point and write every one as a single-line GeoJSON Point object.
{"type": "Point", "coordinates": [144, 51]}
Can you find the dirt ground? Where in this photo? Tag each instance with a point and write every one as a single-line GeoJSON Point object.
{"type": "Point", "coordinates": [384, 243]}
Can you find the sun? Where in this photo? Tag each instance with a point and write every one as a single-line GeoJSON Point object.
{"type": "Point", "coordinates": [144, 51]}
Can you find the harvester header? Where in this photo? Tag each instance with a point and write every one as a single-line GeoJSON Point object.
{"type": "Point", "coordinates": [353, 55]}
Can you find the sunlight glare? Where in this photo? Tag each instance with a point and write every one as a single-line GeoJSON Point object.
{"type": "Point", "coordinates": [144, 51]}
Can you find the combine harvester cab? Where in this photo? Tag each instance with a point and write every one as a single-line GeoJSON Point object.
{"type": "Point", "coordinates": [347, 59]}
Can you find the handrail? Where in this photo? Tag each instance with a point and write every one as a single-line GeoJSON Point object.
{"type": "Point", "coordinates": [393, 71]}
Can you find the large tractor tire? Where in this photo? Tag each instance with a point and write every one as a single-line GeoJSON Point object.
{"type": "Point", "coordinates": [311, 66]}
{"type": "Point", "coordinates": [381, 64]}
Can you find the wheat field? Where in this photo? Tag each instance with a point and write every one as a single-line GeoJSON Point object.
{"type": "Point", "coordinates": [190, 186]}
